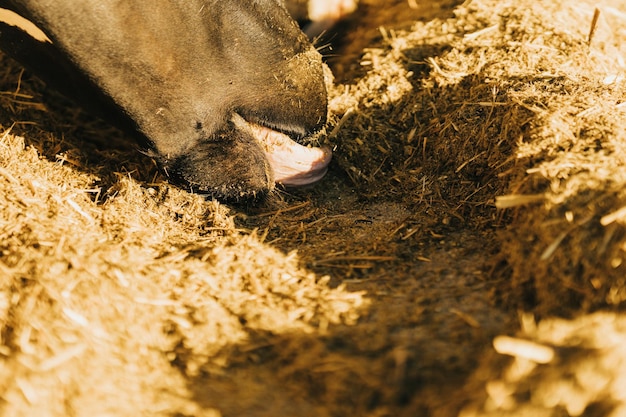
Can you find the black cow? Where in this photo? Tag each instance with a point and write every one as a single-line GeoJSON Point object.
{"type": "Point", "coordinates": [221, 91]}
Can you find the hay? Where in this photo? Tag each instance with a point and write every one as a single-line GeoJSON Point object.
{"type": "Point", "coordinates": [579, 371]}
{"type": "Point", "coordinates": [124, 297]}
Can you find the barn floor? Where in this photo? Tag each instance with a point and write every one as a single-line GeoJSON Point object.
{"type": "Point", "coordinates": [464, 256]}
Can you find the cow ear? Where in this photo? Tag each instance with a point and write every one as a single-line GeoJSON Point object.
{"type": "Point", "coordinates": [229, 166]}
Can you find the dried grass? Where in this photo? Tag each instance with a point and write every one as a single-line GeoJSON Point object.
{"type": "Point", "coordinates": [101, 299]}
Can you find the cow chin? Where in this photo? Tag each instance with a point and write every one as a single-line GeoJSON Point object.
{"type": "Point", "coordinates": [244, 161]}
{"type": "Point", "coordinates": [229, 166]}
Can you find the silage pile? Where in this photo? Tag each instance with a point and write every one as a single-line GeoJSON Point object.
{"type": "Point", "coordinates": [521, 104]}
{"type": "Point", "coordinates": [109, 303]}
{"type": "Point", "coordinates": [563, 252]}
{"type": "Point", "coordinates": [568, 243]}
{"type": "Point", "coordinates": [543, 82]}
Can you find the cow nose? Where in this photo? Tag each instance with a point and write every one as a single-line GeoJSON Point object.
{"type": "Point", "coordinates": [311, 78]}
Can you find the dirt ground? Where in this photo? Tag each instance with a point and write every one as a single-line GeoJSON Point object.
{"type": "Point", "coordinates": [464, 256]}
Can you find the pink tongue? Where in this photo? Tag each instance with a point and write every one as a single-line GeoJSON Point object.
{"type": "Point", "coordinates": [292, 163]}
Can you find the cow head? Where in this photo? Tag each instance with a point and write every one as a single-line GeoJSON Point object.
{"type": "Point", "coordinates": [222, 91]}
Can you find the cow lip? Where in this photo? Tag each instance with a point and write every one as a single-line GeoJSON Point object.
{"type": "Point", "coordinates": [292, 164]}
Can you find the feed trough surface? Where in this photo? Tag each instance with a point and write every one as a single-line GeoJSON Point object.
{"type": "Point", "coordinates": [463, 256]}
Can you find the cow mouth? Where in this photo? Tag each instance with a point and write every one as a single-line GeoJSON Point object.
{"type": "Point", "coordinates": [292, 164]}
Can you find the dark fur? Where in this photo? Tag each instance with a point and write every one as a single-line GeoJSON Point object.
{"type": "Point", "coordinates": [175, 71]}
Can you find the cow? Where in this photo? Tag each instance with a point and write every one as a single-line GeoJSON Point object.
{"type": "Point", "coordinates": [223, 94]}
